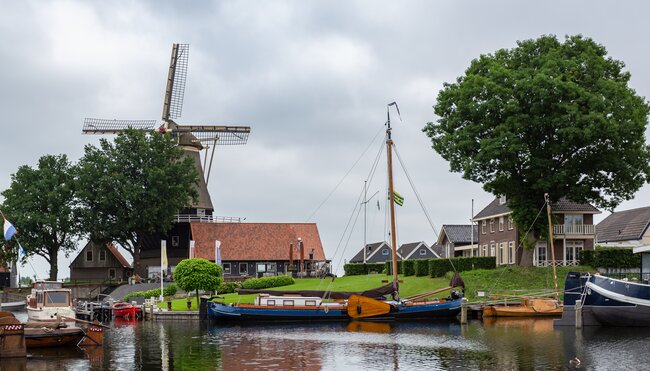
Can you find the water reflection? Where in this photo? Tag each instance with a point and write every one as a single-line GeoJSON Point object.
{"type": "Point", "coordinates": [522, 344]}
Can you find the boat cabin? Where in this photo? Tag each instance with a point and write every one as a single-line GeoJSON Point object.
{"type": "Point", "coordinates": [48, 294]}
{"type": "Point", "coordinates": [287, 301]}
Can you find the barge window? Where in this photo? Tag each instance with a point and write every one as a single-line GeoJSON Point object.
{"type": "Point", "coordinates": [310, 303]}
{"type": "Point", "coordinates": [288, 303]}
{"type": "Point", "coordinates": [270, 302]}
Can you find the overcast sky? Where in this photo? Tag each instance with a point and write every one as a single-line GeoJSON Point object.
{"type": "Point", "coordinates": [312, 79]}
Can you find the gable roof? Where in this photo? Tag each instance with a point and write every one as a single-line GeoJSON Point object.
{"type": "Point", "coordinates": [255, 241]}
{"type": "Point", "coordinates": [438, 250]}
{"type": "Point", "coordinates": [371, 248]}
{"type": "Point", "coordinates": [118, 255]}
{"type": "Point", "coordinates": [495, 208]}
{"type": "Point", "coordinates": [624, 225]}
{"type": "Point", "coordinates": [407, 248]}
{"type": "Point", "coordinates": [459, 233]}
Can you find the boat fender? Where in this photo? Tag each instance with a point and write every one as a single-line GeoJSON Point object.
{"type": "Point", "coordinates": [326, 309]}
{"type": "Point", "coordinates": [359, 308]}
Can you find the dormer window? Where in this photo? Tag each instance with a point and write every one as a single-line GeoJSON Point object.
{"type": "Point", "coordinates": [384, 252]}
{"type": "Point", "coordinates": [502, 200]}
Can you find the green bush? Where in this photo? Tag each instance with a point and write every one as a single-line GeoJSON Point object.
{"type": "Point", "coordinates": [610, 257]}
{"type": "Point", "coordinates": [170, 290]}
{"type": "Point", "coordinates": [438, 267]}
{"type": "Point", "coordinates": [228, 287]}
{"type": "Point", "coordinates": [421, 267]}
{"type": "Point", "coordinates": [388, 267]}
{"type": "Point", "coordinates": [359, 269]}
{"type": "Point", "coordinates": [408, 267]}
{"type": "Point", "coordinates": [267, 282]}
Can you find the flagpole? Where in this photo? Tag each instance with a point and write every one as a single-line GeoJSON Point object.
{"type": "Point", "coordinates": [163, 265]}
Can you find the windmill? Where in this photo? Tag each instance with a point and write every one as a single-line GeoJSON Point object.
{"type": "Point", "coordinates": [191, 138]}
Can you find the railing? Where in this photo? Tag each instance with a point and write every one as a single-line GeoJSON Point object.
{"type": "Point", "coordinates": [635, 277]}
{"type": "Point", "coordinates": [557, 263]}
{"type": "Point", "coordinates": [580, 230]}
{"type": "Point", "coordinates": [192, 218]}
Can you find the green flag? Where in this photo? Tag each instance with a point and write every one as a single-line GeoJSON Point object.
{"type": "Point", "coordinates": [398, 198]}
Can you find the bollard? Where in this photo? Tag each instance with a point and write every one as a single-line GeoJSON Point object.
{"type": "Point", "coordinates": [578, 309]}
{"type": "Point", "coordinates": [463, 312]}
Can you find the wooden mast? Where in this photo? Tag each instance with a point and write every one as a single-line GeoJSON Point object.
{"type": "Point", "coordinates": [550, 238]}
{"type": "Point", "coordinates": [389, 145]}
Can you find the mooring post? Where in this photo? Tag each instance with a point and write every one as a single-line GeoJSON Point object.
{"type": "Point", "coordinates": [578, 309]}
{"type": "Point", "coordinates": [463, 311]}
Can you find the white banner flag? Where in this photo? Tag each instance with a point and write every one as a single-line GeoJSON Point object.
{"type": "Point", "coordinates": [217, 252]}
{"type": "Point", "coordinates": [192, 249]}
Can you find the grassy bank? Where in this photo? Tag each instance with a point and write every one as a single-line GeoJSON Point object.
{"type": "Point", "coordinates": [504, 280]}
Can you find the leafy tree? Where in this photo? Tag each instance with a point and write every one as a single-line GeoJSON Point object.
{"type": "Point", "coordinates": [134, 187]}
{"type": "Point", "coordinates": [546, 116]}
{"type": "Point", "coordinates": [197, 274]}
{"type": "Point", "coordinates": [40, 203]}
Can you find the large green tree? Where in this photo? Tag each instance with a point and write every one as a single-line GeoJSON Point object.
{"type": "Point", "coordinates": [40, 203]}
{"type": "Point", "coordinates": [133, 187]}
{"type": "Point", "coordinates": [198, 274]}
{"type": "Point", "coordinates": [545, 116]}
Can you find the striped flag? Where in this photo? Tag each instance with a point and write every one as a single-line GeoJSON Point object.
{"type": "Point", "coordinates": [398, 198]}
{"type": "Point", "coordinates": [10, 230]}
{"type": "Point", "coordinates": [217, 252]}
{"type": "Point", "coordinates": [163, 256]}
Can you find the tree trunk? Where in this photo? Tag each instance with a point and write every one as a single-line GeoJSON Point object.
{"type": "Point", "coordinates": [197, 299]}
{"type": "Point", "coordinates": [137, 268]}
{"type": "Point", "coordinates": [54, 264]}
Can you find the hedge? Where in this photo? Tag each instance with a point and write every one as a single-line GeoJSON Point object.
{"type": "Point", "coordinates": [267, 282]}
{"type": "Point", "coordinates": [359, 269]}
{"type": "Point", "coordinates": [170, 290]}
{"type": "Point", "coordinates": [408, 267]}
{"type": "Point", "coordinates": [421, 267]}
{"type": "Point", "coordinates": [228, 287]}
{"type": "Point", "coordinates": [438, 267]}
{"type": "Point", "coordinates": [610, 257]}
{"type": "Point", "coordinates": [388, 267]}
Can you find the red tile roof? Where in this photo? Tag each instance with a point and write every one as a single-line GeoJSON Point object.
{"type": "Point", "coordinates": [255, 241]}
{"type": "Point", "coordinates": [118, 256]}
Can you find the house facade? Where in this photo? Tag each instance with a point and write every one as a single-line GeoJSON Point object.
{"type": "Point", "coordinates": [380, 252]}
{"type": "Point", "coordinates": [100, 262]}
{"type": "Point", "coordinates": [262, 249]}
{"type": "Point", "coordinates": [573, 231]}
{"type": "Point", "coordinates": [458, 240]}
{"type": "Point", "coordinates": [625, 228]}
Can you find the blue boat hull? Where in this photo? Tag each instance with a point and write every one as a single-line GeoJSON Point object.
{"type": "Point", "coordinates": [232, 313]}
{"type": "Point", "coordinates": [609, 301]}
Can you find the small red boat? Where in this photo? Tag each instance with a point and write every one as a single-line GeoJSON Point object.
{"type": "Point", "coordinates": [126, 310]}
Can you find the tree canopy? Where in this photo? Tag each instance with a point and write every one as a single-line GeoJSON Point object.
{"type": "Point", "coordinates": [197, 274]}
{"type": "Point", "coordinates": [133, 187]}
{"type": "Point", "coordinates": [545, 116]}
{"type": "Point", "coordinates": [40, 202]}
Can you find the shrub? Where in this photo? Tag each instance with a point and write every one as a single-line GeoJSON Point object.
{"type": "Point", "coordinates": [170, 290]}
{"type": "Point", "coordinates": [228, 287]}
{"type": "Point", "coordinates": [388, 267]}
{"type": "Point", "coordinates": [609, 257]}
{"type": "Point", "coordinates": [267, 282]}
{"type": "Point", "coordinates": [408, 267]}
{"type": "Point", "coordinates": [587, 257]}
{"type": "Point", "coordinates": [421, 267]}
{"type": "Point", "coordinates": [357, 269]}
{"type": "Point", "coordinates": [438, 267]}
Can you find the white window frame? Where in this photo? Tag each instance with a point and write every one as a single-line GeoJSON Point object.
{"type": "Point", "coordinates": [502, 200]}
{"type": "Point", "coordinates": [385, 252]}
{"type": "Point", "coordinates": [510, 225]}
{"type": "Point", "coordinates": [501, 252]}
{"type": "Point", "coordinates": [483, 227]}
{"type": "Point", "coordinates": [423, 251]}
{"type": "Point", "coordinates": [501, 223]}
{"type": "Point", "coordinates": [244, 271]}
{"type": "Point", "coordinates": [226, 268]}
{"type": "Point", "coordinates": [492, 225]}
{"type": "Point", "coordinates": [511, 255]}
{"type": "Point", "coordinates": [492, 249]}
{"type": "Point", "coordinates": [485, 250]}
{"type": "Point", "coordinates": [102, 255]}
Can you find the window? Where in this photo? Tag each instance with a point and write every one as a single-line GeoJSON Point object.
{"type": "Point", "coordinates": [200, 212]}
{"type": "Point", "coordinates": [102, 255]}
{"type": "Point", "coordinates": [175, 240]}
{"type": "Point", "coordinates": [54, 298]}
{"type": "Point", "coordinates": [511, 247]}
{"type": "Point", "coordinates": [501, 259]}
{"type": "Point", "coordinates": [261, 268]}
{"type": "Point", "coordinates": [573, 249]}
{"type": "Point", "coordinates": [271, 267]}
{"type": "Point", "coordinates": [423, 251]}
{"type": "Point", "coordinates": [501, 222]}
{"type": "Point", "coordinates": [310, 303]}
{"type": "Point", "coordinates": [483, 224]}
{"type": "Point", "coordinates": [492, 252]}
{"type": "Point", "coordinates": [89, 255]}
{"type": "Point", "coordinates": [384, 252]}
{"type": "Point", "coordinates": [491, 225]}
{"type": "Point", "coordinates": [226, 268]}
{"type": "Point", "coordinates": [484, 250]}
{"type": "Point", "coordinates": [573, 219]}
{"type": "Point", "coordinates": [270, 302]}
{"type": "Point", "coordinates": [502, 200]}
{"type": "Point", "coordinates": [541, 254]}
{"type": "Point", "coordinates": [510, 223]}
{"type": "Point", "coordinates": [287, 303]}
{"type": "Point", "coordinates": [243, 268]}
{"type": "Point", "coordinates": [111, 271]}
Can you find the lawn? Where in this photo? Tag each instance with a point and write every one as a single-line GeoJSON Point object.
{"type": "Point", "coordinates": [503, 280]}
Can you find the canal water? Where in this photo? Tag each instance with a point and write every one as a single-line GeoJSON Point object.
{"type": "Point", "coordinates": [504, 344]}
